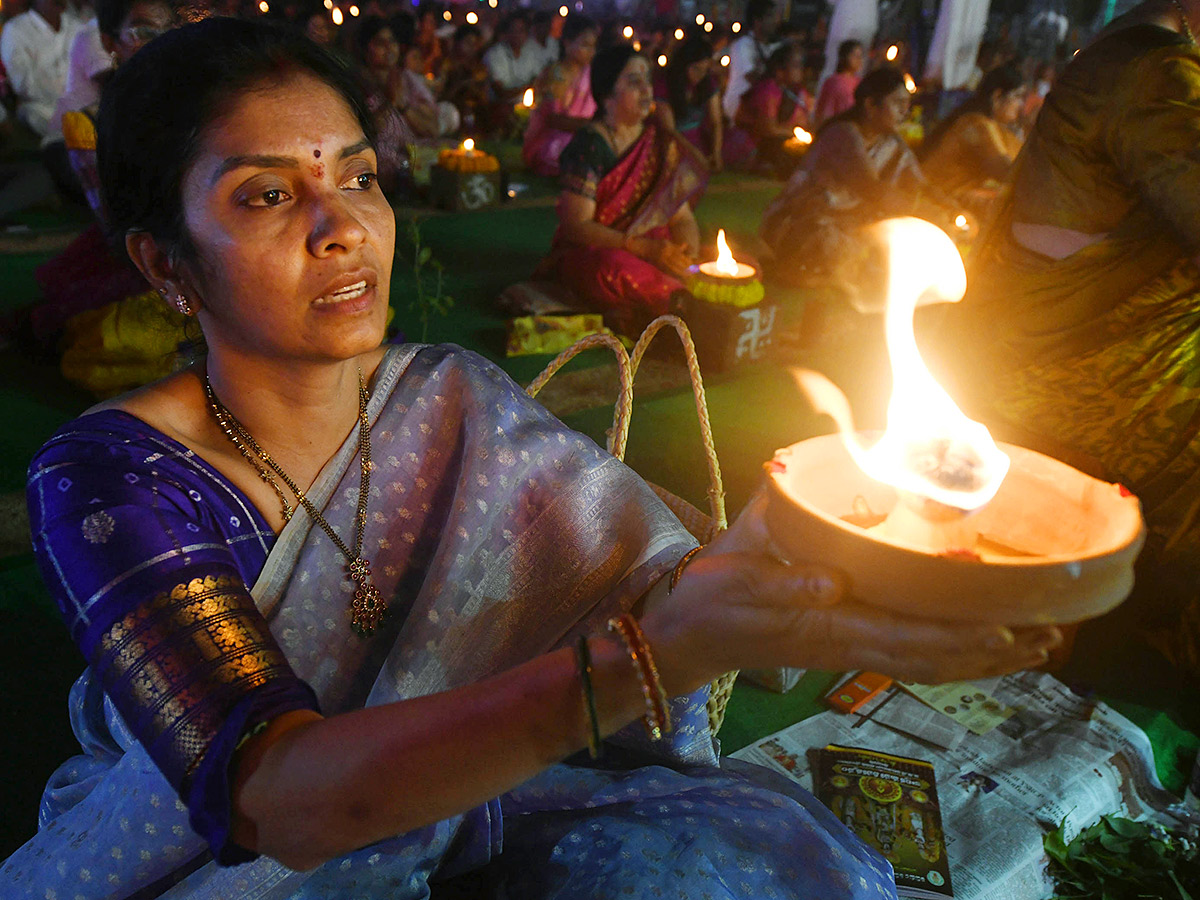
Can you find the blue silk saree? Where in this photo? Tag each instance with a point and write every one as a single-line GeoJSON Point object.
{"type": "Point", "coordinates": [496, 534]}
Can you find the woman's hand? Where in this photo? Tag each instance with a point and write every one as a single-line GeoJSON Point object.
{"type": "Point", "coordinates": [738, 605]}
{"type": "Point", "coordinates": [668, 256]}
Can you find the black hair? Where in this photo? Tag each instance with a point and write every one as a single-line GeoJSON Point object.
{"type": "Point", "coordinates": [845, 48]}
{"type": "Point", "coordinates": [877, 84]}
{"type": "Point", "coordinates": [463, 31]}
{"type": "Point", "coordinates": [156, 107]}
{"type": "Point", "coordinates": [541, 17]}
{"type": "Point", "coordinates": [111, 13]}
{"type": "Point", "coordinates": [693, 50]}
{"type": "Point", "coordinates": [506, 24]}
{"type": "Point", "coordinates": [1003, 78]}
{"type": "Point", "coordinates": [778, 60]}
{"type": "Point", "coordinates": [576, 24]}
{"type": "Point", "coordinates": [757, 10]}
{"type": "Point", "coordinates": [368, 28]}
{"type": "Point", "coordinates": [607, 67]}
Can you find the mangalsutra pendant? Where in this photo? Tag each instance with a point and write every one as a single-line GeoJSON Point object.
{"type": "Point", "coordinates": [368, 608]}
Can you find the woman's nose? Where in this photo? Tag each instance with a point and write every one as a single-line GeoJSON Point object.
{"type": "Point", "coordinates": [336, 226]}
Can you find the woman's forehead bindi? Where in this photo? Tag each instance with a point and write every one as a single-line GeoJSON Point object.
{"type": "Point", "coordinates": [316, 154]}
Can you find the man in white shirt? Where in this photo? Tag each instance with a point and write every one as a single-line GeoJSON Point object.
{"type": "Point", "coordinates": [35, 48]}
{"type": "Point", "coordinates": [749, 52]}
{"type": "Point", "coordinates": [542, 44]}
{"type": "Point", "coordinates": [507, 62]}
{"type": "Point", "coordinates": [88, 62]}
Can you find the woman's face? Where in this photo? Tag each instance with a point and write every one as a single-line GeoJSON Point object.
{"type": "Point", "coordinates": [146, 21]}
{"type": "Point", "coordinates": [1007, 106]}
{"type": "Point", "coordinates": [697, 71]}
{"type": "Point", "coordinates": [632, 97]}
{"type": "Point", "coordinates": [854, 60]}
{"type": "Point", "coordinates": [383, 50]}
{"type": "Point", "coordinates": [582, 50]}
{"type": "Point", "coordinates": [889, 112]}
{"type": "Point", "coordinates": [292, 238]}
{"type": "Point", "coordinates": [792, 74]}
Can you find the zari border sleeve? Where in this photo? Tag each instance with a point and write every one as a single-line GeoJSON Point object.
{"type": "Point", "coordinates": [156, 599]}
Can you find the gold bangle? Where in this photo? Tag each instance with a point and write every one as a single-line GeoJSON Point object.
{"type": "Point", "coordinates": [677, 572]}
{"type": "Point", "coordinates": [658, 716]}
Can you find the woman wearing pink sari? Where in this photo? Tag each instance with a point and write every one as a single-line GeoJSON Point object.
{"type": "Point", "coordinates": [626, 229]}
{"type": "Point", "coordinates": [564, 98]}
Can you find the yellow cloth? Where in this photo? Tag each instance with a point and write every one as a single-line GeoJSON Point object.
{"type": "Point", "coordinates": [531, 335]}
{"type": "Point", "coordinates": [79, 132]}
{"type": "Point", "coordinates": [123, 345]}
{"type": "Point", "coordinates": [1096, 357]}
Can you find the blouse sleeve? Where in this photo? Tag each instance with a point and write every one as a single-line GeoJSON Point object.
{"type": "Point", "coordinates": [143, 572]}
{"type": "Point", "coordinates": [583, 163]}
{"type": "Point", "coordinates": [1155, 138]}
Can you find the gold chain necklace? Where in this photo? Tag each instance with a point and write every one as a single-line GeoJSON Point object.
{"type": "Point", "coordinates": [368, 607]}
{"type": "Point", "coordinates": [1187, 27]}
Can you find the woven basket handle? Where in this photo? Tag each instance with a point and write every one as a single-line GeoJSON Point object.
{"type": "Point", "coordinates": [627, 366]}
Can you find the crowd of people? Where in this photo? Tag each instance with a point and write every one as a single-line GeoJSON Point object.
{"type": "Point", "coordinates": [384, 658]}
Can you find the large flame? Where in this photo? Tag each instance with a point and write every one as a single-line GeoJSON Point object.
{"type": "Point", "coordinates": [726, 264]}
{"type": "Point", "coordinates": [930, 448]}
{"type": "Point", "coordinates": [801, 135]}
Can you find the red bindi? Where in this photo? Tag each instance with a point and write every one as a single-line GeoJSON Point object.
{"type": "Point", "coordinates": [316, 154]}
{"type": "Point", "coordinates": [318, 170]}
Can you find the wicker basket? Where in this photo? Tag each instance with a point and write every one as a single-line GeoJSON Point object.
{"type": "Point", "coordinates": [703, 527]}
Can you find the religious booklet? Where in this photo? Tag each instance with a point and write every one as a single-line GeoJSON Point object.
{"type": "Point", "coordinates": [891, 803]}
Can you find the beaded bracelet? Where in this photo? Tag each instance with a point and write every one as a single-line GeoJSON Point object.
{"type": "Point", "coordinates": [583, 658]}
{"type": "Point", "coordinates": [658, 717]}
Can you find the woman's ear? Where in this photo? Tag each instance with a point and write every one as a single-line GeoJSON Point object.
{"type": "Point", "coordinates": [158, 266]}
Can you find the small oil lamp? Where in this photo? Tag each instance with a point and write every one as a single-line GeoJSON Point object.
{"type": "Point", "coordinates": [724, 279]}
{"type": "Point", "coordinates": [799, 142]}
{"type": "Point", "coordinates": [933, 517]}
{"type": "Point", "coordinates": [892, 52]}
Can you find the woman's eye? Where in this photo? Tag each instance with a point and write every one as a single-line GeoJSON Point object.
{"type": "Point", "coordinates": [364, 181]}
{"type": "Point", "coordinates": [270, 197]}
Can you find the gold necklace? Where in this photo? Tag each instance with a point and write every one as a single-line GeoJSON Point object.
{"type": "Point", "coordinates": [368, 607]}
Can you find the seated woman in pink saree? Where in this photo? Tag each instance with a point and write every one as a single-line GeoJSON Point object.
{"type": "Point", "coordinates": [564, 98]}
{"type": "Point", "coordinates": [626, 230]}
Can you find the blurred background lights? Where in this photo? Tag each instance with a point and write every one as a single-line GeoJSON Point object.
{"type": "Point", "coordinates": [472, 18]}
{"type": "Point", "coordinates": [263, 6]}
{"type": "Point", "coordinates": [562, 11]}
{"type": "Point", "coordinates": [354, 10]}
{"type": "Point", "coordinates": [735, 27]}
{"type": "Point", "coordinates": [892, 52]}
{"type": "Point", "coordinates": [446, 15]}
{"type": "Point", "coordinates": [337, 16]}
{"type": "Point", "coordinates": [627, 31]}
{"type": "Point", "coordinates": [679, 34]}
{"type": "Point", "coordinates": [708, 26]}
{"type": "Point", "coordinates": [699, 18]}
{"type": "Point", "coordinates": [725, 60]}
{"type": "Point", "coordinates": [662, 60]}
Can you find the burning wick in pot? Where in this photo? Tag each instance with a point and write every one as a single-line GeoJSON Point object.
{"type": "Point", "coordinates": [943, 465]}
{"type": "Point", "coordinates": [725, 266]}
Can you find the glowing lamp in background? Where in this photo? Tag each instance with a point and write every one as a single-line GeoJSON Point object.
{"type": "Point", "coordinates": [627, 31]}
{"type": "Point", "coordinates": [909, 84]}
{"type": "Point", "coordinates": [699, 18]}
{"type": "Point", "coordinates": [447, 15]}
{"type": "Point", "coordinates": [472, 18]}
{"type": "Point", "coordinates": [263, 6]}
{"type": "Point", "coordinates": [679, 34]}
{"type": "Point", "coordinates": [353, 10]}
{"type": "Point", "coordinates": [735, 27]}
{"type": "Point", "coordinates": [637, 46]}
{"type": "Point", "coordinates": [892, 52]}
{"type": "Point", "coordinates": [329, 4]}
{"type": "Point", "coordinates": [960, 221]}
{"type": "Point", "coordinates": [662, 59]}
{"type": "Point", "coordinates": [933, 517]}
{"type": "Point", "coordinates": [468, 146]}
{"type": "Point", "coordinates": [725, 60]}
{"type": "Point", "coordinates": [337, 16]}
{"type": "Point", "coordinates": [708, 26]}
{"type": "Point", "coordinates": [562, 11]}
{"type": "Point", "coordinates": [798, 143]}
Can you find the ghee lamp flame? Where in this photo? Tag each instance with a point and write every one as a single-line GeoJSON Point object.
{"type": "Point", "coordinates": [562, 11]}
{"type": "Point", "coordinates": [960, 221]}
{"type": "Point", "coordinates": [801, 135]}
{"type": "Point", "coordinates": [725, 266]}
{"type": "Point", "coordinates": [662, 60]}
{"type": "Point", "coordinates": [679, 34]}
{"type": "Point", "coordinates": [930, 450]}
{"type": "Point", "coordinates": [447, 15]}
{"type": "Point", "coordinates": [264, 7]}
{"type": "Point", "coordinates": [725, 60]}
{"type": "Point", "coordinates": [527, 98]}
{"type": "Point", "coordinates": [329, 4]}
{"type": "Point", "coordinates": [354, 10]}
{"type": "Point", "coordinates": [337, 16]}
{"type": "Point", "coordinates": [472, 18]}
{"type": "Point", "coordinates": [468, 145]}
{"type": "Point", "coordinates": [892, 52]}
{"type": "Point", "coordinates": [627, 31]}
{"type": "Point", "coordinates": [909, 84]}
{"type": "Point", "coordinates": [708, 26]}
{"type": "Point", "coordinates": [637, 46]}
{"type": "Point", "coordinates": [699, 18]}
{"type": "Point", "coordinates": [736, 27]}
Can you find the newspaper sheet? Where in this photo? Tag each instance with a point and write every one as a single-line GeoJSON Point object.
{"type": "Point", "coordinates": [1059, 757]}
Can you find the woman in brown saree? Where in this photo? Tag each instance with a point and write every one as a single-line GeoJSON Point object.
{"type": "Point", "coordinates": [626, 229]}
